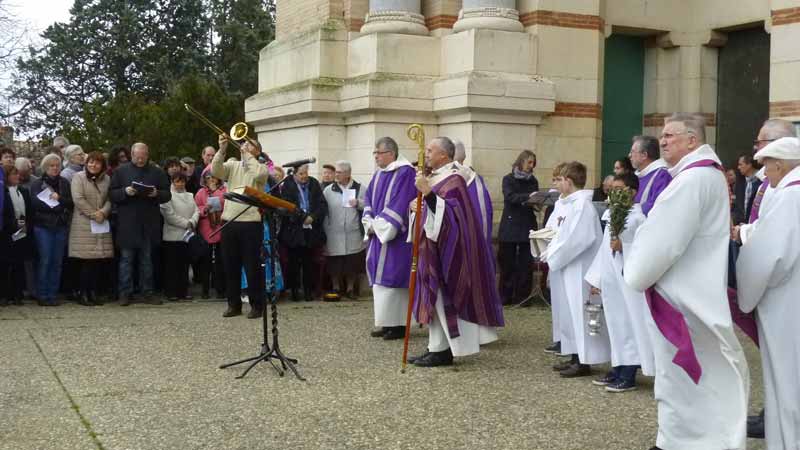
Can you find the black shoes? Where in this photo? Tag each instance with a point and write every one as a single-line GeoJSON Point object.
{"type": "Point", "coordinates": [435, 359]}
{"type": "Point", "coordinates": [755, 426]}
{"type": "Point", "coordinates": [254, 313]}
{"type": "Point", "coordinates": [127, 300]}
{"type": "Point", "coordinates": [553, 349]}
{"type": "Point", "coordinates": [413, 359]}
{"type": "Point", "coordinates": [563, 365]}
{"type": "Point", "coordinates": [576, 370]}
{"type": "Point", "coordinates": [231, 312]}
{"type": "Point", "coordinates": [393, 333]}
{"type": "Point", "coordinates": [82, 299]}
{"type": "Point", "coordinates": [379, 332]}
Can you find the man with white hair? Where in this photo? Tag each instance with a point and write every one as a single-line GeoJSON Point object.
{"type": "Point", "coordinates": [25, 169]}
{"type": "Point", "coordinates": [768, 272]}
{"type": "Point", "coordinates": [679, 257]}
{"type": "Point", "coordinates": [478, 192]}
{"type": "Point", "coordinates": [651, 170]}
{"type": "Point", "coordinates": [59, 144]}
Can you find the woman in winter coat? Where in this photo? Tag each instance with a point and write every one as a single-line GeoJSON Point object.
{"type": "Point", "coordinates": [16, 238]}
{"type": "Point", "coordinates": [90, 240]}
{"type": "Point", "coordinates": [517, 221]}
{"type": "Point", "coordinates": [51, 226]}
{"type": "Point", "coordinates": [180, 216]}
{"type": "Point", "coordinates": [212, 271]}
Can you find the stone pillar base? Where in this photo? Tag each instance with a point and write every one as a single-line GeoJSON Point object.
{"type": "Point", "coordinates": [401, 22]}
{"type": "Point", "coordinates": [504, 19]}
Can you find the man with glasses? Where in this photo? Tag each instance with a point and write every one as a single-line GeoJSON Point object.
{"type": "Point", "coordinates": [385, 222]}
{"type": "Point", "coordinates": [679, 258]}
{"type": "Point", "coordinates": [651, 170]}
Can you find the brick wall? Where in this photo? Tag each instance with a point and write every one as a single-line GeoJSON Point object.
{"type": "Point", "coordinates": [298, 15]}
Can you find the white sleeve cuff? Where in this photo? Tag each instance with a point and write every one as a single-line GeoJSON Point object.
{"type": "Point", "coordinates": [384, 230]}
{"type": "Point", "coordinates": [433, 223]}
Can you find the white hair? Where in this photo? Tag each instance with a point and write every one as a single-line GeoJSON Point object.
{"type": "Point", "coordinates": [23, 163]}
{"type": "Point", "coordinates": [71, 150]}
{"type": "Point", "coordinates": [139, 145]}
{"type": "Point", "coordinates": [48, 159]}
{"type": "Point", "coordinates": [778, 128]}
{"type": "Point", "coordinates": [60, 140]}
{"type": "Point", "coordinates": [461, 151]}
{"type": "Point", "coordinates": [344, 166]}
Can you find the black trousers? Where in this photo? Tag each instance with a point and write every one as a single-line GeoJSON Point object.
{"type": "Point", "coordinates": [515, 270]}
{"type": "Point", "coordinates": [211, 270]}
{"type": "Point", "coordinates": [92, 272]}
{"type": "Point", "coordinates": [302, 267]}
{"type": "Point", "coordinates": [176, 263]}
{"type": "Point", "coordinates": [12, 279]}
{"type": "Point", "coordinates": [241, 247]}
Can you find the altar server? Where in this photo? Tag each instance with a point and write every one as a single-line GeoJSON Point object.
{"type": "Point", "coordinates": [768, 272]}
{"type": "Point", "coordinates": [569, 256]}
{"type": "Point", "coordinates": [624, 316]}
{"type": "Point", "coordinates": [680, 258]}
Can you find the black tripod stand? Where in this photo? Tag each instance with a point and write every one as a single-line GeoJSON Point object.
{"type": "Point", "coordinates": [267, 352]}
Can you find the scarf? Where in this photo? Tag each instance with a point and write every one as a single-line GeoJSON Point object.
{"type": "Point", "coordinates": [18, 201]}
{"type": "Point", "coordinates": [51, 181]}
{"type": "Point", "coordinates": [520, 175]}
{"type": "Point", "coordinates": [303, 188]}
{"type": "Point", "coordinates": [93, 177]}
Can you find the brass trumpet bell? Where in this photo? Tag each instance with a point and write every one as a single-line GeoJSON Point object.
{"type": "Point", "coordinates": [239, 131]}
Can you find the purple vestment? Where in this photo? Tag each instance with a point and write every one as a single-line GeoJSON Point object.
{"type": "Point", "coordinates": [658, 180]}
{"type": "Point", "coordinates": [456, 264]}
{"type": "Point", "coordinates": [482, 202]}
{"type": "Point", "coordinates": [387, 197]}
{"type": "Point", "coordinates": [754, 210]}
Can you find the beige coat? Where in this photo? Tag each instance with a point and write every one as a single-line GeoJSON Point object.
{"type": "Point", "coordinates": [89, 197]}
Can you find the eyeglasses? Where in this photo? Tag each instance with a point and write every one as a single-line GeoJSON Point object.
{"type": "Point", "coordinates": [376, 152]}
{"type": "Point", "coordinates": [672, 135]}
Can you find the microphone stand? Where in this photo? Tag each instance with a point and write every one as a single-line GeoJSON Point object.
{"type": "Point", "coordinates": [267, 353]}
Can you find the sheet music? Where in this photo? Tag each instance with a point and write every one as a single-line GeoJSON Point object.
{"type": "Point", "coordinates": [44, 196]}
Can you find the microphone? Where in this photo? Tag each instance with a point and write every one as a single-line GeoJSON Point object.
{"type": "Point", "coordinates": [300, 162]}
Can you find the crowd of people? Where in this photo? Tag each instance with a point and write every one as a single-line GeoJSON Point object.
{"type": "Point", "coordinates": [699, 250]}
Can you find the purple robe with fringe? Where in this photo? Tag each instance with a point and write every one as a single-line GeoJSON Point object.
{"type": "Point", "coordinates": [482, 201]}
{"type": "Point", "coordinates": [387, 197]}
{"type": "Point", "coordinates": [456, 264]}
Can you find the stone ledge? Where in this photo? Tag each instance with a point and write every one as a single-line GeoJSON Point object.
{"type": "Point", "coordinates": [657, 119]}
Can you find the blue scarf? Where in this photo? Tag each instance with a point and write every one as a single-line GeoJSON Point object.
{"type": "Point", "coordinates": [303, 188]}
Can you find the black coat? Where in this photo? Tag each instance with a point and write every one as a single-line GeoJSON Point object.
{"type": "Point", "coordinates": [22, 249]}
{"type": "Point", "coordinates": [518, 217]}
{"type": "Point", "coordinates": [137, 215]}
{"type": "Point", "coordinates": [292, 234]}
{"type": "Point", "coordinates": [47, 217]}
{"type": "Point", "coordinates": [740, 214]}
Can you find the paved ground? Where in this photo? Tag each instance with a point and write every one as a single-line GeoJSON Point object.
{"type": "Point", "coordinates": [146, 378]}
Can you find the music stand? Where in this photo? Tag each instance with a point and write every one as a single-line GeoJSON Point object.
{"type": "Point", "coordinates": [272, 207]}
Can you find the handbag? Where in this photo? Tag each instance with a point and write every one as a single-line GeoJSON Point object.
{"type": "Point", "coordinates": [198, 248]}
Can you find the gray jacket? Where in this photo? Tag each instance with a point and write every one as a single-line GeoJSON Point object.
{"type": "Point", "coordinates": [342, 224]}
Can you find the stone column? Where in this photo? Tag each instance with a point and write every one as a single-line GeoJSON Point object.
{"type": "Point", "coordinates": [491, 14]}
{"type": "Point", "coordinates": [395, 16]}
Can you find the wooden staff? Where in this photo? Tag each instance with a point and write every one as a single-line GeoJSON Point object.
{"type": "Point", "coordinates": [416, 134]}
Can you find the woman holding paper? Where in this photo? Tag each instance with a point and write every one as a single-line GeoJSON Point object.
{"type": "Point", "coordinates": [90, 240]}
{"type": "Point", "coordinates": [16, 238]}
{"type": "Point", "coordinates": [180, 222]}
{"type": "Point", "coordinates": [210, 202]}
{"type": "Point", "coordinates": [52, 211]}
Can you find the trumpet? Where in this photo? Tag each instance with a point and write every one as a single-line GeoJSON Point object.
{"type": "Point", "coordinates": [239, 130]}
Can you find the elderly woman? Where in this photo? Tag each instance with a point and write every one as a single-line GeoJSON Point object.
{"type": "Point", "coordinates": [515, 224]}
{"type": "Point", "coordinates": [90, 234]}
{"type": "Point", "coordinates": [210, 202]}
{"type": "Point", "coordinates": [344, 231]}
{"type": "Point", "coordinates": [75, 157]}
{"type": "Point", "coordinates": [52, 210]}
{"type": "Point", "coordinates": [303, 233]}
{"type": "Point", "coordinates": [16, 238]}
{"type": "Point", "coordinates": [180, 218]}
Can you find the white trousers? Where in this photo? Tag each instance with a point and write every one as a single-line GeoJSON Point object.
{"type": "Point", "coordinates": [468, 343]}
{"type": "Point", "coordinates": [391, 306]}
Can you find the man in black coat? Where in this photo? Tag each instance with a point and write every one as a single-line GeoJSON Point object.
{"type": "Point", "coordinates": [303, 233]}
{"type": "Point", "coordinates": [137, 189]}
{"type": "Point", "coordinates": [745, 189]}
{"type": "Point", "coordinates": [517, 221]}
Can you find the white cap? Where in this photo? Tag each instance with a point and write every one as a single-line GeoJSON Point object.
{"type": "Point", "coordinates": [783, 148]}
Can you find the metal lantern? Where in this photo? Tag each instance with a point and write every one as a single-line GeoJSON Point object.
{"type": "Point", "coordinates": [594, 317]}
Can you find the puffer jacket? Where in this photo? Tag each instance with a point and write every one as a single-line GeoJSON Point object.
{"type": "Point", "coordinates": [88, 197]}
{"type": "Point", "coordinates": [178, 213]}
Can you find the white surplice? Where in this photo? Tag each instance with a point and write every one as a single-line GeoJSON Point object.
{"type": "Point", "coordinates": [768, 275]}
{"type": "Point", "coordinates": [630, 345]}
{"type": "Point", "coordinates": [746, 229]}
{"type": "Point", "coordinates": [682, 249]}
{"type": "Point", "coordinates": [556, 302]}
{"type": "Point", "coordinates": [569, 256]}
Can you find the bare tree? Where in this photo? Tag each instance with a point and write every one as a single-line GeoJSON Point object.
{"type": "Point", "coordinates": [14, 40]}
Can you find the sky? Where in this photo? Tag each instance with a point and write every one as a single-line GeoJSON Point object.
{"type": "Point", "coordinates": [41, 13]}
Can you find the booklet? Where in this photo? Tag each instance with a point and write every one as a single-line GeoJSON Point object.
{"type": "Point", "coordinates": [44, 196]}
{"type": "Point", "coordinates": [100, 228]}
{"type": "Point", "coordinates": [19, 234]}
{"type": "Point", "coordinates": [347, 195]}
{"type": "Point", "coordinates": [545, 198]}
{"type": "Point", "coordinates": [143, 189]}
{"type": "Point", "coordinates": [214, 204]}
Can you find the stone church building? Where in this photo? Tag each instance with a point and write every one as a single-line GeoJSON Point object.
{"type": "Point", "coordinates": [568, 79]}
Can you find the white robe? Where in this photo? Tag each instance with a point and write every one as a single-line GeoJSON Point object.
{"type": "Point", "coordinates": [569, 256]}
{"type": "Point", "coordinates": [746, 229]}
{"type": "Point", "coordinates": [624, 317]}
{"type": "Point", "coordinates": [768, 274]}
{"type": "Point", "coordinates": [556, 303]}
{"type": "Point", "coordinates": [682, 249]}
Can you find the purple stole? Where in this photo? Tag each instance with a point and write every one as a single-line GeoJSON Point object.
{"type": "Point", "coordinates": [757, 201]}
{"type": "Point", "coordinates": [671, 322]}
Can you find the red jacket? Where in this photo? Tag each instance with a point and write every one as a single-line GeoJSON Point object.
{"type": "Point", "coordinates": [209, 221]}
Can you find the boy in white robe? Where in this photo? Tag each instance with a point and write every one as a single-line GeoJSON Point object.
{"type": "Point", "coordinates": [553, 224]}
{"type": "Point", "coordinates": [768, 274]}
{"type": "Point", "coordinates": [680, 258]}
{"type": "Point", "coordinates": [624, 316]}
{"type": "Point", "coordinates": [569, 256]}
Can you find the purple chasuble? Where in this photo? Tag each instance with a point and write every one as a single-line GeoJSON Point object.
{"type": "Point", "coordinates": [757, 201]}
{"type": "Point", "coordinates": [670, 321]}
{"type": "Point", "coordinates": [659, 180]}
{"type": "Point", "coordinates": [387, 197]}
{"type": "Point", "coordinates": [456, 264]}
{"type": "Point", "coordinates": [482, 202]}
